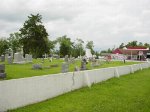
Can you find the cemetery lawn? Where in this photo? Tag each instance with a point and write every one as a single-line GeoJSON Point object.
{"type": "Point", "coordinates": [129, 93]}
{"type": "Point", "coordinates": [15, 71]}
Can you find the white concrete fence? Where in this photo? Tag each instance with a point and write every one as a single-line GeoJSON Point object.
{"type": "Point", "coordinates": [24, 91]}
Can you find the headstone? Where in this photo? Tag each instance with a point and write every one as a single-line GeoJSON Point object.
{"type": "Point", "coordinates": [88, 53]}
{"type": "Point", "coordinates": [6, 56]}
{"type": "Point", "coordinates": [95, 63]}
{"type": "Point", "coordinates": [58, 57]}
{"type": "Point", "coordinates": [66, 58]}
{"type": "Point", "coordinates": [18, 58]}
{"type": "Point", "coordinates": [10, 52]}
{"type": "Point", "coordinates": [83, 65]}
{"type": "Point", "coordinates": [55, 56]}
{"type": "Point", "coordinates": [43, 58]}
{"type": "Point", "coordinates": [2, 71]}
{"type": "Point", "coordinates": [65, 67]}
{"type": "Point", "coordinates": [71, 60]}
{"type": "Point", "coordinates": [37, 66]}
{"type": "Point", "coordinates": [10, 59]}
{"type": "Point", "coordinates": [28, 58]}
{"type": "Point", "coordinates": [50, 59]}
{"type": "Point", "coordinates": [2, 58]}
{"type": "Point", "coordinates": [54, 65]}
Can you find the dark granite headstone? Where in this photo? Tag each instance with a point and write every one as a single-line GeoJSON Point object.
{"type": "Point", "coordinates": [83, 65]}
{"type": "Point", "coordinates": [9, 59]}
{"type": "Point", "coordinates": [37, 66]}
{"type": "Point", "coordinates": [54, 65]}
{"type": "Point", "coordinates": [2, 71]}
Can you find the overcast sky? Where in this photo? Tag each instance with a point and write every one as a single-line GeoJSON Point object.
{"type": "Point", "coordinates": [107, 23]}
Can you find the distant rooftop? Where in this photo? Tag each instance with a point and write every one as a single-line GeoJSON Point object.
{"type": "Point", "coordinates": [137, 47]}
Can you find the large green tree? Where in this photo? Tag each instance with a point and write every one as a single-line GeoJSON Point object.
{"type": "Point", "coordinates": [34, 36]}
{"type": "Point", "coordinates": [51, 45]}
{"type": "Point", "coordinates": [3, 45]}
{"type": "Point", "coordinates": [65, 45]}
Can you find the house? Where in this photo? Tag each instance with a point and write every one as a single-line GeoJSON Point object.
{"type": "Point", "coordinates": [132, 53]}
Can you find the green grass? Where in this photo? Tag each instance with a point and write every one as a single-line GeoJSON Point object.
{"type": "Point", "coordinates": [15, 71]}
{"type": "Point", "coordinates": [129, 93]}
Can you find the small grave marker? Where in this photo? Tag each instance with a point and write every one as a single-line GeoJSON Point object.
{"type": "Point", "coordinates": [37, 66]}
{"type": "Point", "coordinates": [83, 64]}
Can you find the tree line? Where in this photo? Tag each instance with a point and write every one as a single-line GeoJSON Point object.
{"type": "Point", "coordinates": [133, 44]}
{"type": "Point", "coordinates": [33, 38]}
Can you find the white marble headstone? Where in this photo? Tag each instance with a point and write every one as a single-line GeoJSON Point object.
{"type": "Point", "coordinates": [88, 53]}
{"type": "Point", "coordinates": [18, 58]}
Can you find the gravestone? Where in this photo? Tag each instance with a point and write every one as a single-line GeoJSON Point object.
{"type": "Point", "coordinates": [6, 56]}
{"type": "Point", "coordinates": [95, 63]}
{"type": "Point", "coordinates": [2, 71]}
{"type": "Point", "coordinates": [88, 53]}
{"type": "Point", "coordinates": [83, 65]}
{"type": "Point", "coordinates": [54, 65]}
{"type": "Point", "coordinates": [58, 57]}
{"type": "Point", "coordinates": [43, 58]}
{"type": "Point", "coordinates": [28, 58]}
{"type": "Point", "coordinates": [65, 67]}
{"type": "Point", "coordinates": [10, 52]}
{"type": "Point", "coordinates": [50, 59]}
{"type": "Point", "coordinates": [10, 59]}
{"type": "Point", "coordinates": [18, 58]}
{"type": "Point", "coordinates": [2, 58]}
{"type": "Point", "coordinates": [72, 60]}
{"type": "Point", "coordinates": [66, 58]}
{"type": "Point", "coordinates": [37, 66]}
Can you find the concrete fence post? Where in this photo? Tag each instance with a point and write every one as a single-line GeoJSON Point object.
{"type": "Point", "coordinates": [87, 79]}
{"type": "Point", "coordinates": [116, 72]}
{"type": "Point", "coordinates": [148, 64]}
{"type": "Point", "coordinates": [132, 70]}
{"type": "Point", "coordinates": [140, 66]}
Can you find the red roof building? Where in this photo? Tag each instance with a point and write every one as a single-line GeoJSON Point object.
{"type": "Point", "coordinates": [136, 52]}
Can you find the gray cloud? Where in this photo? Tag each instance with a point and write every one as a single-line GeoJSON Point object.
{"type": "Point", "coordinates": [107, 22]}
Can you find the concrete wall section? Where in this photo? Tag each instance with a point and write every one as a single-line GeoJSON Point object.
{"type": "Point", "coordinates": [145, 65]}
{"type": "Point", "coordinates": [123, 70]}
{"type": "Point", "coordinates": [136, 67]}
{"type": "Point", "coordinates": [20, 92]}
{"type": "Point", "coordinates": [99, 75]}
